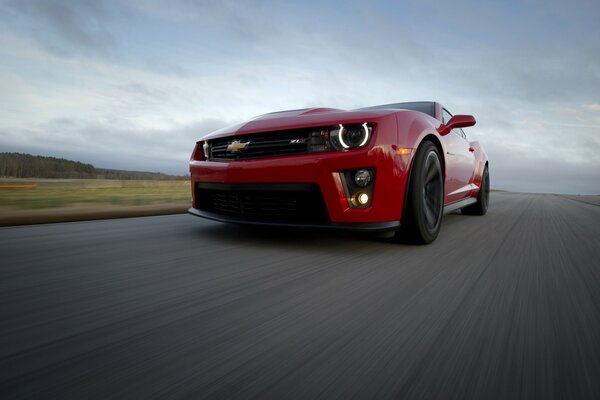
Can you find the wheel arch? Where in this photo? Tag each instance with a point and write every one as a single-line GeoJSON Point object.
{"type": "Point", "coordinates": [438, 144]}
{"type": "Point", "coordinates": [436, 141]}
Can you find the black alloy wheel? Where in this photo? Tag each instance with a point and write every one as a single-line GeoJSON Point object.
{"type": "Point", "coordinates": [432, 191]}
{"type": "Point", "coordinates": [425, 203]}
{"type": "Point", "coordinates": [483, 198]}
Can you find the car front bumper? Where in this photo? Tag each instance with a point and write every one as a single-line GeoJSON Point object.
{"type": "Point", "coordinates": [322, 170]}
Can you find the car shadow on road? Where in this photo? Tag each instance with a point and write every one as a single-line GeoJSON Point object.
{"type": "Point", "coordinates": [290, 237]}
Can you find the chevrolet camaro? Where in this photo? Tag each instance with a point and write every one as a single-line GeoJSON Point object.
{"type": "Point", "coordinates": [395, 167]}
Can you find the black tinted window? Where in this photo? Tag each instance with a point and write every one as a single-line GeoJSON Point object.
{"type": "Point", "coordinates": [446, 116]}
{"type": "Point", "coordinates": [427, 107]}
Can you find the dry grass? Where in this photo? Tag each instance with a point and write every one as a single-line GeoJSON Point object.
{"type": "Point", "coordinates": [41, 197]}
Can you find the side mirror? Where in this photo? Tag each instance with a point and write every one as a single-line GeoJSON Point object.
{"type": "Point", "coordinates": [457, 121]}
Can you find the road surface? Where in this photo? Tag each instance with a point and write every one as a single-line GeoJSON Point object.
{"type": "Point", "coordinates": [504, 306]}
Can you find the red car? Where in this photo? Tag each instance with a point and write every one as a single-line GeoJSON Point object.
{"type": "Point", "coordinates": [394, 167]}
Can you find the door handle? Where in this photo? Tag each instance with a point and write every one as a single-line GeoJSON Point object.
{"type": "Point", "coordinates": [471, 149]}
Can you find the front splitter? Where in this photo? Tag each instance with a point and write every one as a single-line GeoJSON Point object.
{"type": "Point", "coordinates": [373, 227]}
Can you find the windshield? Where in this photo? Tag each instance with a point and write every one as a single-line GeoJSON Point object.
{"type": "Point", "coordinates": [427, 107]}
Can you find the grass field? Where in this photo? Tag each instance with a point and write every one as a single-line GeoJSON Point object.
{"type": "Point", "coordinates": [30, 195]}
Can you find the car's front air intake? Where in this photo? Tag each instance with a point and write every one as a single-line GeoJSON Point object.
{"type": "Point", "coordinates": [271, 202]}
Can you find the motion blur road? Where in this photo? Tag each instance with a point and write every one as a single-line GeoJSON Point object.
{"type": "Point", "coordinates": [503, 306]}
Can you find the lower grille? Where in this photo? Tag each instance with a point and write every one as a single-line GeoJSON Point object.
{"type": "Point", "coordinates": [263, 202]}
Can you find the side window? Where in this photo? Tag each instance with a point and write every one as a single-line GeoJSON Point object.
{"type": "Point", "coordinates": [446, 116]}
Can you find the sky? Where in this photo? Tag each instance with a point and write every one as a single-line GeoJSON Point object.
{"type": "Point", "coordinates": [133, 84]}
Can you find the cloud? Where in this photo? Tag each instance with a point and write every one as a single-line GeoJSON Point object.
{"type": "Point", "coordinates": [106, 81]}
{"type": "Point", "coordinates": [66, 28]}
{"type": "Point", "coordinates": [525, 172]}
{"type": "Point", "coordinates": [244, 21]}
{"type": "Point", "coordinates": [592, 107]}
{"type": "Point", "coordinates": [113, 146]}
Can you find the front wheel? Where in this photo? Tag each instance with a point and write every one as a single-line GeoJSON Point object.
{"type": "Point", "coordinates": [425, 202]}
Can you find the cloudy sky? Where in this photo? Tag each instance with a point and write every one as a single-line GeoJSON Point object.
{"type": "Point", "coordinates": [133, 84]}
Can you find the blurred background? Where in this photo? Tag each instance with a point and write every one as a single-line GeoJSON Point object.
{"type": "Point", "coordinates": [130, 86]}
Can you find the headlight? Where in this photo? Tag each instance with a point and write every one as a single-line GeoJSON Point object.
{"type": "Point", "coordinates": [206, 149]}
{"type": "Point", "coordinates": [341, 138]}
{"type": "Point", "coordinates": [348, 137]}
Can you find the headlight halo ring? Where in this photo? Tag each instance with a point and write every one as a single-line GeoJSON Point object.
{"type": "Point", "coordinates": [341, 144]}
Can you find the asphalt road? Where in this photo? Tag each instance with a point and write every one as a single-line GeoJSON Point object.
{"type": "Point", "coordinates": [504, 306]}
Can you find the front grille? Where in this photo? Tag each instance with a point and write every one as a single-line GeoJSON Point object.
{"type": "Point", "coordinates": [297, 141]}
{"type": "Point", "coordinates": [263, 202]}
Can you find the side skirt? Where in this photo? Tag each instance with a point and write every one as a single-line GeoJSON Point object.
{"type": "Point", "coordinates": [459, 204]}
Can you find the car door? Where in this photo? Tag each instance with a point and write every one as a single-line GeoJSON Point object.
{"type": "Point", "coordinates": [460, 163]}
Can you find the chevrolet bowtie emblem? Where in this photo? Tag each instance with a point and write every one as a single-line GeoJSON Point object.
{"type": "Point", "coordinates": [236, 146]}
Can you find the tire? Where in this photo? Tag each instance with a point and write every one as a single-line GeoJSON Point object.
{"type": "Point", "coordinates": [483, 198]}
{"type": "Point", "coordinates": [425, 202]}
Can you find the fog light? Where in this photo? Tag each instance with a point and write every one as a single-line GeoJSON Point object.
{"type": "Point", "coordinates": [363, 177]}
{"type": "Point", "coordinates": [363, 198]}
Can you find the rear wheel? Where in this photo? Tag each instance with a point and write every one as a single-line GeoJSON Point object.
{"type": "Point", "coordinates": [423, 214]}
{"type": "Point", "coordinates": [483, 198]}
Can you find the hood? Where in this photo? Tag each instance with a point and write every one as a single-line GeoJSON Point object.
{"type": "Point", "coordinates": [297, 119]}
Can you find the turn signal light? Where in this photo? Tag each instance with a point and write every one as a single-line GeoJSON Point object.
{"type": "Point", "coordinates": [403, 151]}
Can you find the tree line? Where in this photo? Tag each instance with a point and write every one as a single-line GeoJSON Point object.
{"type": "Point", "coordinates": [20, 165]}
